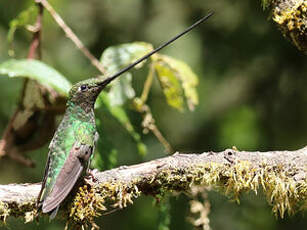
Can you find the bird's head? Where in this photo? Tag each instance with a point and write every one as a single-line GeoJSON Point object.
{"type": "Point", "coordinates": [86, 92]}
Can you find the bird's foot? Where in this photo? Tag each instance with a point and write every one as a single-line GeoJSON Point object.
{"type": "Point", "coordinates": [90, 176]}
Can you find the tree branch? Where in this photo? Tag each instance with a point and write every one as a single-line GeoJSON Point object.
{"type": "Point", "coordinates": [280, 174]}
{"type": "Point", "coordinates": [291, 18]}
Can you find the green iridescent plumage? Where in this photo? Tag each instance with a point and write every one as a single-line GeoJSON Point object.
{"type": "Point", "coordinates": [72, 144]}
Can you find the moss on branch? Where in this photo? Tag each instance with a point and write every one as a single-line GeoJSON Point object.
{"type": "Point", "coordinates": [281, 175]}
{"type": "Point", "coordinates": [291, 18]}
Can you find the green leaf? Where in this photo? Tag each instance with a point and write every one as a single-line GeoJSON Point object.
{"type": "Point", "coordinates": [121, 116]}
{"type": "Point", "coordinates": [24, 18]}
{"type": "Point", "coordinates": [187, 77]}
{"type": "Point", "coordinates": [36, 70]}
{"type": "Point", "coordinates": [170, 85]}
{"type": "Point", "coordinates": [117, 57]}
{"type": "Point", "coordinates": [122, 90]}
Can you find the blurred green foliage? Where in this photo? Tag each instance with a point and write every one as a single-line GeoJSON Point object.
{"type": "Point", "coordinates": [240, 126]}
{"type": "Point", "coordinates": [252, 94]}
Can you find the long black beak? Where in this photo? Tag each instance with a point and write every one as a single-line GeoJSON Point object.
{"type": "Point", "coordinates": [111, 78]}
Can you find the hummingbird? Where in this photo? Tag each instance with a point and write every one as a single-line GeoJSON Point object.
{"type": "Point", "coordinates": [73, 143]}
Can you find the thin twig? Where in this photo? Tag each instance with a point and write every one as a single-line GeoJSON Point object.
{"type": "Point", "coordinates": [147, 84]}
{"type": "Point", "coordinates": [72, 36]}
{"type": "Point", "coordinates": [35, 46]}
{"type": "Point", "coordinates": [148, 120]}
{"type": "Point", "coordinates": [148, 123]}
{"type": "Point", "coordinates": [162, 139]}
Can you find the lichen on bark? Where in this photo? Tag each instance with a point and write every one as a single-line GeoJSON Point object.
{"type": "Point", "coordinates": [281, 175]}
{"type": "Point", "coordinates": [291, 18]}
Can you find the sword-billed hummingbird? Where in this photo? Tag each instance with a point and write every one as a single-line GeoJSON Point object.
{"type": "Point", "coordinates": [74, 141]}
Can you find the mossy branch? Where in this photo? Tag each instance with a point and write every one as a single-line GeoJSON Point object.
{"type": "Point", "coordinates": [282, 175]}
{"type": "Point", "coordinates": [291, 18]}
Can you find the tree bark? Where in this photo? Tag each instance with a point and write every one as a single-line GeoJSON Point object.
{"type": "Point", "coordinates": [280, 174]}
{"type": "Point", "coordinates": [291, 18]}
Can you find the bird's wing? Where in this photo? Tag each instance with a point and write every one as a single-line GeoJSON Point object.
{"type": "Point", "coordinates": [68, 175]}
{"type": "Point", "coordinates": [40, 195]}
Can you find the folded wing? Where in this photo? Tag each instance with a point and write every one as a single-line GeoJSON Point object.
{"type": "Point", "coordinates": [67, 177]}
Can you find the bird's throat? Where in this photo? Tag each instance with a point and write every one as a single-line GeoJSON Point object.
{"type": "Point", "coordinates": [83, 111]}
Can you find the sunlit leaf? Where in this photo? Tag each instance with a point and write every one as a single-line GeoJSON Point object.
{"type": "Point", "coordinates": [121, 116]}
{"type": "Point", "coordinates": [187, 77]}
{"type": "Point", "coordinates": [170, 84]}
{"type": "Point", "coordinates": [38, 71]}
{"type": "Point", "coordinates": [24, 18]}
{"type": "Point", "coordinates": [117, 57]}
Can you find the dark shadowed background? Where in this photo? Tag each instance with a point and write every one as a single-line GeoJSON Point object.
{"type": "Point", "coordinates": [252, 94]}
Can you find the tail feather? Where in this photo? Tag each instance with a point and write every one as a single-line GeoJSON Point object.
{"type": "Point", "coordinates": [53, 213]}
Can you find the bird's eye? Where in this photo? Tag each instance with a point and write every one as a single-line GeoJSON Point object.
{"type": "Point", "coordinates": [83, 88]}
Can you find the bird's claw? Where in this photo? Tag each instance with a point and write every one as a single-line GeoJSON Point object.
{"type": "Point", "coordinates": [90, 175]}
